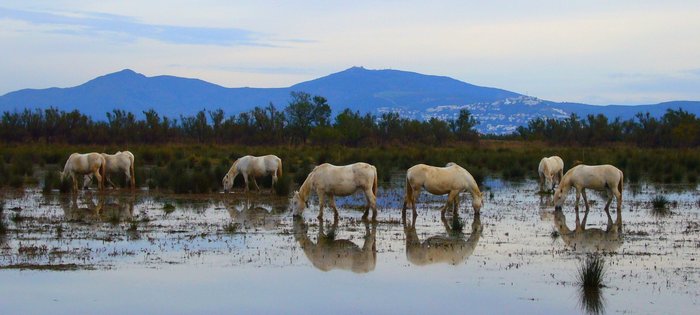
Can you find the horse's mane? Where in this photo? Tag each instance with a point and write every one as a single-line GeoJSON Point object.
{"type": "Point", "coordinates": [577, 163]}
{"type": "Point", "coordinates": [305, 188]}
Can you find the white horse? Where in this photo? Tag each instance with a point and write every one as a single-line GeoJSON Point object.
{"type": "Point", "coordinates": [451, 179]}
{"type": "Point", "coordinates": [253, 166]}
{"type": "Point", "coordinates": [551, 170]}
{"type": "Point", "coordinates": [597, 177]}
{"type": "Point", "coordinates": [82, 164]}
{"type": "Point", "coordinates": [329, 181]}
{"type": "Point", "coordinates": [120, 162]}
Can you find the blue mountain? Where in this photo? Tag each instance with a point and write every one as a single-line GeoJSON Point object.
{"type": "Point", "coordinates": [411, 94]}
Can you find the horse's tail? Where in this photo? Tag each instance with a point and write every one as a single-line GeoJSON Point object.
{"type": "Point", "coordinates": [131, 171]}
{"type": "Point", "coordinates": [374, 184]}
{"type": "Point", "coordinates": [103, 172]}
{"type": "Point", "coordinates": [279, 168]}
{"type": "Point", "coordinates": [619, 184]}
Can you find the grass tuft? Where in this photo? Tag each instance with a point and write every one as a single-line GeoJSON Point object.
{"type": "Point", "coordinates": [590, 278]}
{"type": "Point", "coordinates": [231, 228]}
{"type": "Point", "coordinates": [660, 206]}
{"type": "Point", "coordinates": [591, 272]}
{"type": "Point", "coordinates": [168, 208]}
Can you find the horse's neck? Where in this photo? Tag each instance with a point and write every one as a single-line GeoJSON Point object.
{"type": "Point", "coordinates": [305, 188]}
{"type": "Point", "coordinates": [234, 169]}
{"type": "Point", "coordinates": [565, 183]}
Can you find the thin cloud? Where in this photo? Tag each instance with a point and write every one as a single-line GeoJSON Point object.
{"type": "Point", "coordinates": [99, 24]}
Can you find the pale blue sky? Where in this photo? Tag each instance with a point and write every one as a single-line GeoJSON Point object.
{"type": "Point", "coordinates": [599, 52]}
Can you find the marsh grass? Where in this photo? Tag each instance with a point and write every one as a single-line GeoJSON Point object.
{"type": "Point", "coordinates": [17, 218]}
{"type": "Point", "coordinates": [283, 185]}
{"type": "Point", "coordinates": [590, 280]}
{"type": "Point", "coordinates": [660, 206]}
{"type": "Point", "coordinates": [193, 168]}
{"type": "Point", "coordinates": [133, 226]}
{"type": "Point", "coordinates": [231, 228]}
{"type": "Point", "coordinates": [591, 272]}
{"type": "Point", "coordinates": [659, 202]}
{"type": "Point", "coordinates": [168, 208]}
{"type": "Point", "coordinates": [3, 228]}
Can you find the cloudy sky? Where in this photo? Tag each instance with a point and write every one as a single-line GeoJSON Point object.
{"type": "Point", "coordinates": [599, 52]}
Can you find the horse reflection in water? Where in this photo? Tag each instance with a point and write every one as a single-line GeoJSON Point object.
{"type": "Point", "coordinates": [453, 248]}
{"type": "Point", "coordinates": [329, 253]}
{"type": "Point", "coordinates": [589, 240]}
{"type": "Point", "coordinates": [99, 209]}
{"type": "Point", "coordinates": [251, 214]}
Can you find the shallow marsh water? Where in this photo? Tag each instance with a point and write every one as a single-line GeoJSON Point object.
{"type": "Point", "coordinates": [161, 254]}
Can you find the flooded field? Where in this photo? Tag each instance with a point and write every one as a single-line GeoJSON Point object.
{"type": "Point", "coordinates": [161, 254]}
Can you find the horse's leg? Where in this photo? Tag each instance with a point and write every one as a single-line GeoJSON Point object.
{"type": "Point", "coordinates": [274, 181]}
{"type": "Point", "coordinates": [321, 200]}
{"type": "Point", "coordinates": [75, 182]}
{"type": "Point", "coordinates": [108, 180]}
{"type": "Point", "coordinates": [245, 179]}
{"type": "Point", "coordinates": [255, 183]}
{"type": "Point", "coordinates": [331, 201]}
{"type": "Point", "coordinates": [607, 207]}
{"type": "Point", "coordinates": [551, 181]}
{"type": "Point", "coordinates": [578, 197]}
{"type": "Point", "coordinates": [406, 202]}
{"type": "Point", "coordinates": [452, 198]}
{"type": "Point", "coordinates": [585, 202]}
{"type": "Point", "coordinates": [371, 203]}
{"type": "Point", "coordinates": [416, 192]}
{"type": "Point", "coordinates": [100, 179]}
{"type": "Point", "coordinates": [618, 196]}
{"type": "Point", "coordinates": [541, 182]}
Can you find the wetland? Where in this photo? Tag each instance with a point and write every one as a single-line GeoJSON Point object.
{"type": "Point", "coordinates": [165, 253]}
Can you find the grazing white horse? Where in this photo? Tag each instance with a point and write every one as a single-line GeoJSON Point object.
{"type": "Point", "coordinates": [597, 177]}
{"type": "Point", "coordinates": [551, 170]}
{"type": "Point", "coordinates": [451, 179]}
{"type": "Point", "coordinates": [252, 167]}
{"type": "Point", "coordinates": [82, 164]}
{"type": "Point", "coordinates": [452, 249]}
{"type": "Point", "coordinates": [120, 162]}
{"type": "Point", "coordinates": [329, 181]}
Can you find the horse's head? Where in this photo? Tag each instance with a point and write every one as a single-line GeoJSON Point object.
{"type": "Point", "coordinates": [62, 174]}
{"type": "Point", "coordinates": [298, 205]}
{"type": "Point", "coordinates": [559, 197]}
{"type": "Point", "coordinates": [227, 182]}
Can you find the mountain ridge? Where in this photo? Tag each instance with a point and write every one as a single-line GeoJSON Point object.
{"type": "Point", "coordinates": [411, 94]}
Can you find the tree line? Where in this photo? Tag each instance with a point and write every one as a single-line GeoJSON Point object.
{"type": "Point", "coordinates": [305, 120]}
{"type": "Point", "coordinates": [676, 128]}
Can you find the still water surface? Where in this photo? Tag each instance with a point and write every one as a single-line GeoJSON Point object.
{"type": "Point", "coordinates": [163, 254]}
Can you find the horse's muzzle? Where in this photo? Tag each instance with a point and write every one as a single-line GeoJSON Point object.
{"type": "Point", "coordinates": [557, 208]}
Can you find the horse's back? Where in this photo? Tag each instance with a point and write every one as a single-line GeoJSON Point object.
{"type": "Point", "coordinates": [605, 174]}
{"type": "Point", "coordinates": [344, 179]}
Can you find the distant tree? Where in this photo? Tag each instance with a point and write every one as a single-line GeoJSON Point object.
{"type": "Point", "coordinates": [464, 126]}
{"type": "Point", "coordinates": [304, 113]}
